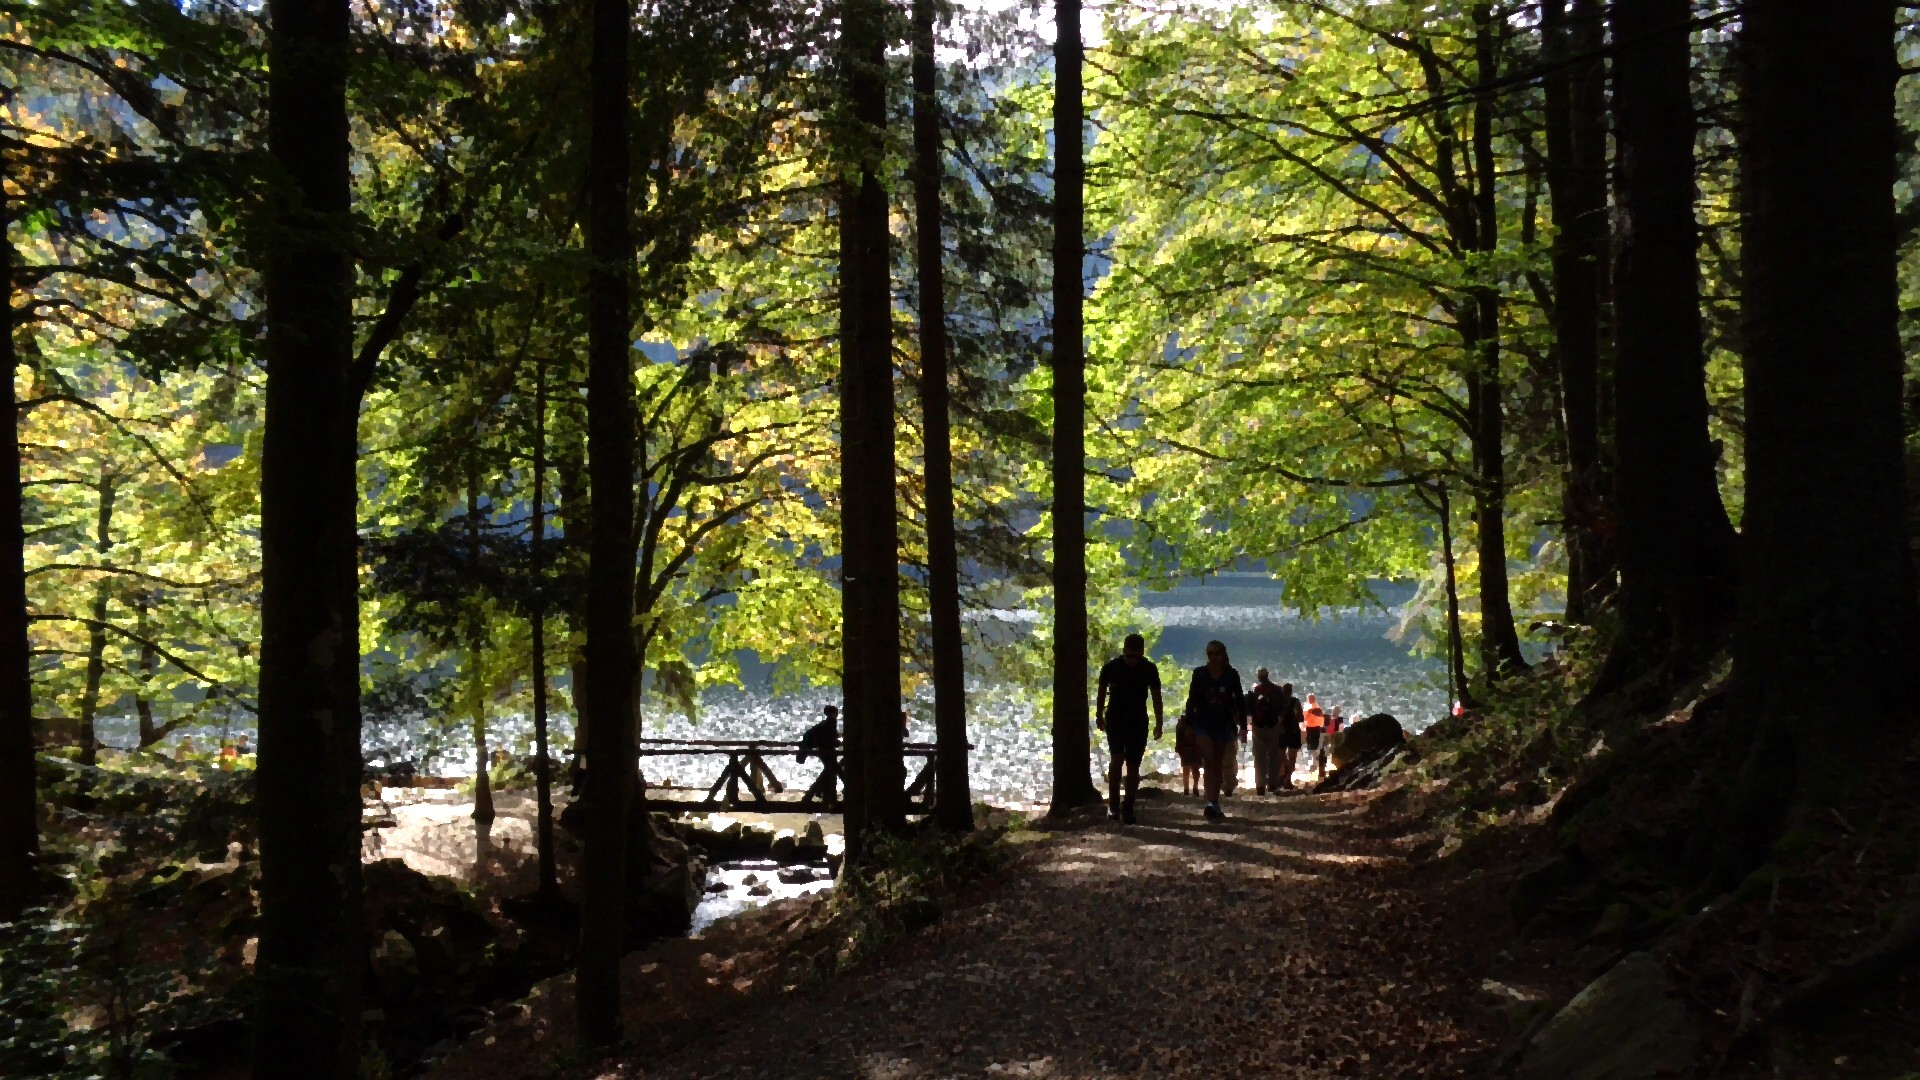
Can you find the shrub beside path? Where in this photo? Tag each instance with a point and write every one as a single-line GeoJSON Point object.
{"type": "Point", "coordinates": [1290, 941]}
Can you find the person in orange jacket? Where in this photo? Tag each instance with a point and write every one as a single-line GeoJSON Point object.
{"type": "Point", "coordinates": [1316, 724]}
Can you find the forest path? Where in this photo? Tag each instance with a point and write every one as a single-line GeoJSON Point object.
{"type": "Point", "coordinates": [1288, 941]}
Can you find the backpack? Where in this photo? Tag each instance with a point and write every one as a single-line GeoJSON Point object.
{"type": "Point", "coordinates": [1266, 709]}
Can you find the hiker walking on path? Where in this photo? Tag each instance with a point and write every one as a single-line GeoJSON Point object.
{"type": "Point", "coordinates": [1188, 750]}
{"type": "Point", "coordinates": [1120, 710]}
{"type": "Point", "coordinates": [1265, 708]}
{"type": "Point", "coordinates": [1216, 707]}
{"type": "Point", "coordinates": [1291, 716]}
{"type": "Point", "coordinates": [1316, 721]}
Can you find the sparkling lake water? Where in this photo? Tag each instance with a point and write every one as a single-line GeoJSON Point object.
{"type": "Point", "coordinates": [1347, 659]}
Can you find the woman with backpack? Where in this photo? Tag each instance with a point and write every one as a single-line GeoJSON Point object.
{"type": "Point", "coordinates": [1216, 710]}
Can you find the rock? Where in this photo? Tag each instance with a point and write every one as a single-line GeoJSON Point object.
{"type": "Point", "coordinates": [835, 860]}
{"type": "Point", "coordinates": [394, 962]}
{"type": "Point", "coordinates": [785, 847]}
{"type": "Point", "coordinates": [663, 902]}
{"type": "Point", "coordinates": [1367, 737]}
{"type": "Point", "coordinates": [717, 887]}
{"type": "Point", "coordinates": [437, 951]}
{"type": "Point", "coordinates": [1516, 1006]}
{"type": "Point", "coordinates": [398, 897]}
{"type": "Point", "coordinates": [1362, 773]}
{"type": "Point", "coordinates": [1624, 1026]}
{"type": "Point", "coordinates": [1536, 886]}
{"type": "Point", "coordinates": [813, 840]}
{"type": "Point", "coordinates": [795, 875]}
{"type": "Point", "coordinates": [750, 879]}
{"type": "Point", "coordinates": [760, 890]}
{"type": "Point", "coordinates": [1613, 918]}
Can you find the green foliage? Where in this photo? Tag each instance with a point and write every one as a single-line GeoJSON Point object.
{"type": "Point", "coordinates": [140, 947]}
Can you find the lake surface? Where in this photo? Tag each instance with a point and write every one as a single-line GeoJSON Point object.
{"type": "Point", "coordinates": [1348, 660]}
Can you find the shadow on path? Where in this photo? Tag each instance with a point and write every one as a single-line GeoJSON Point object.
{"type": "Point", "coordinates": [1261, 947]}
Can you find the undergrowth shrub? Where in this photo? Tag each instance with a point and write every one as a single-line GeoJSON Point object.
{"type": "Point", "coordinates": [126, 958]}
{"type": "Point", "coordinates": [904, 884]}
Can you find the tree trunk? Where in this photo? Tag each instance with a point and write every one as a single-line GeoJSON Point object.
{"type": "Point", "coordinates": [150, 732]}
{"type": "Point", "coordinates": [1456, 650]}
{"type": "Point", "coordinates": [1499, 640]}
{"type": "Point", "coordinates": [1676, 546]}
{"type": "Point", "coordinates": [609, 647]}
{"type": "Point", "coordinates": [306, 1020]}
{"type": "Point", "coordinates": [476, 647]}
{"type": "Point", "coordinates": [1828, 584]}
{"type": "Point", "coordinates": [870, 589]}
{"type": "Point", "coordinates": [954, 808]}
{"type": "Point", "coordinates": [19, 794]}
{"type": "Point", "coordinates": [543, 771]}
{"type": "Point", "coordinates": [1072, 735]}
{"type": "Point", "coordinates": [97, 626]}
{"type": "Point", "coordinates": [1576, 131]}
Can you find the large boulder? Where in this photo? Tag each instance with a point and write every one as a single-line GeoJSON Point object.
{"type": "Point", "coordinates": [723, 838]}
{"type": "Point", "coordinates": [663, 891]}
{"type": "Point", "coordinates": [1625, 1025]}
{"type": "Point", "coordinates": [785, 847]}
{"type": "Point", "coordinates": [1365, 738]}
{"type": "Point", "coordinates": [813, 842]}
{"type": "Point", "coordinates": [1365, 772]}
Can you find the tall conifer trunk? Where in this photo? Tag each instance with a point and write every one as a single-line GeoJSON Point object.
{"type": "Point", "coordinates": [306, 1019]}
{"type": "Point", "coordinates": [610, 658]}
{"type": "Point", "coordinates": [1827, 595]}
{"type": "Point", "coordinates": [869, 526]}
{"type": "Point", "coordinates": [1676, 546]}
{"type": "Point", "coordinates": [955, 806]}
{"type": "Point", "coordinates": [1072, 733]}
{"type": "Point", "coordinates": [1576, 131]}
{"type": "Point", "coordinates": [19, 795]}
{"type": "Point", "coordinates": [1486, 397]}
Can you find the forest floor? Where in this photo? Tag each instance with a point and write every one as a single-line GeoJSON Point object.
{"type": "Point", "coordinates": [1296, 939]}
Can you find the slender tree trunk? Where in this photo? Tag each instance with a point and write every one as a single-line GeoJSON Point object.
{"type": "Point", "coordinates": [543, 772]}
{"type": "Point", "coordinates": [476, 647]}
{"type": "Point", "coordinates": [1676, 546]}
{"type": "Point", "coordinates": [870, 590]}
{"type": "Point", "coordinates": [306, 1020]}
{"type": "Point", "coordinates": [955, 806]}
{"type": "Point", "coordinates": [97, 626]}
{"type": "Point", "coordinates": [149, 658]}
{"type": "Point", "coordinates": [1456, 649]}
{"type": "Point", "coordinates": [1827, 600]}
{"type": "Point", "coordinates": [1577, 180]}
{"type": "Point", "coordinates": [19, 793]}
{"type": "Point", "coordinates": [1499, 640]}
{"type": "Point", "coordinates": [1072, 734]}
{"type": "Point", "coordinates": [609, 648]}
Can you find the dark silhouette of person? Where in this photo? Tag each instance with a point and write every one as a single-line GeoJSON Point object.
{"type": "Point", "coordinates": [1120, 710]}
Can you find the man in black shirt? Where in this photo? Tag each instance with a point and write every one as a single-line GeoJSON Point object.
{"type": "Point", "coordinates": [1121, 712]}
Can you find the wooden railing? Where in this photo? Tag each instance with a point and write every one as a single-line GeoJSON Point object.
{"type": "Point", "coordinates": [747, 768]}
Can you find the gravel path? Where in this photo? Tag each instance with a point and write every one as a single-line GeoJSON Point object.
{"type": "Point", "coordinates": [1286, 942]}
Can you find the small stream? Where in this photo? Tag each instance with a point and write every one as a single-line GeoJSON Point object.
{"type": "Point", "coordinates": [743, 884]}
